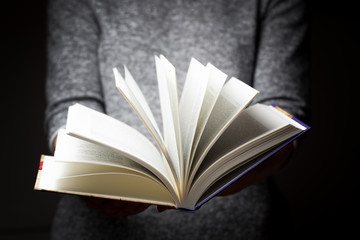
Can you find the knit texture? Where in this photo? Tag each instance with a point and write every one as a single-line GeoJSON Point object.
{"type": "Point", "coordinates": [259, 42]}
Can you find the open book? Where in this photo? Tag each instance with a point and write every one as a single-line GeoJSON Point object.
{"type": "Point", "coordinates": [209, 140]}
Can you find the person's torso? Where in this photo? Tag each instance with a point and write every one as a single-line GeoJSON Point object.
{"type": "Point", "coordinates": [133, 32]}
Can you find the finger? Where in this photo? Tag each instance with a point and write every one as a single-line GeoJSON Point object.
{"type": "Point", "coordinates": [104, 206]}
{"type": "Point", "coordinates": [122, 208]}
{"type": "Point", "coordinates": [135, 208]}
{"type": "Point", "coordinates": [92, 202]}
{"type": "Point", "coordinates": [161, 208]}
{"type": "Point", "coordinates": [114, 208]}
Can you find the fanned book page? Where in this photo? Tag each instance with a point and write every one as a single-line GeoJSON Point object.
{"type": "Point", "coordinates": [210, 140]}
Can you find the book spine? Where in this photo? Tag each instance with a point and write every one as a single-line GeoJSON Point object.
{"type": "Point", "coordinates": [38, 177]}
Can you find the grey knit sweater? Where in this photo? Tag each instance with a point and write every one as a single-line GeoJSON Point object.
{"type": "Point", "coordinates": [259, 42]}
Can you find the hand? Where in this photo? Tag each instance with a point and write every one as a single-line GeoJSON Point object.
{"type": "Point", "coordinates": [262, 171]}
{"type": "Point", "coordinates": [118, 208]}
{"type": "Point", "coordinates": [162, 208]}
{"type": "Point", "coordinates": [115, 208]}
{"type": "Point", "coordinates": [54, 142]}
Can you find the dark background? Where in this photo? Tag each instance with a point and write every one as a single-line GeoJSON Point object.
{"type": "Point", "coordinates": [320, 186]}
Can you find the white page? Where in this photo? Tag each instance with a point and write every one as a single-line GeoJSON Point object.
{"type": "Point", "coordinates": [132, 93]}
{"type": "Point", "coordinates": [256, 130]}
{"type": "Point", "coordinates": [255, 122]}
{"type": "Point", "coordinates": [139, 96]}
{"type": "Point", "coordinates": [251, 123]}
{"type": "Point", "coordinates": [72, 149]}
{"type": "Point", "coordinates": [99, 128]}
{"type": "Point", "coordinates": [190, 105]}
{"type": "Point", "coordinates": [216, 80]}
{"type": "Point", "coordinates": [234, 97]}
{"type": "Point", "coordinates": [216, 171]}
{"type": "Point", "coordinates": [194, 200]}
{"type": "Point", "coordinates": [126, 185]}
{"type": "Point", "coordinates": [170, 113]}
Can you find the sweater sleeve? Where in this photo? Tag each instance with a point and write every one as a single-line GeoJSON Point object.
{"type": "Point", "coordinates": [72, 67]}
{"type": "Point", "coordinates": [282, 65]}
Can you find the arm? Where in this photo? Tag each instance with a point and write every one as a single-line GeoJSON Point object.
{"type": "Point", "coordinates": [72, 73]}
{"type": "Point", "coordinates": [282, 65]}
{"type": "Point", "coordinates": [72, 76]}
{"type": "Point", "coordinates": [281, 75]}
